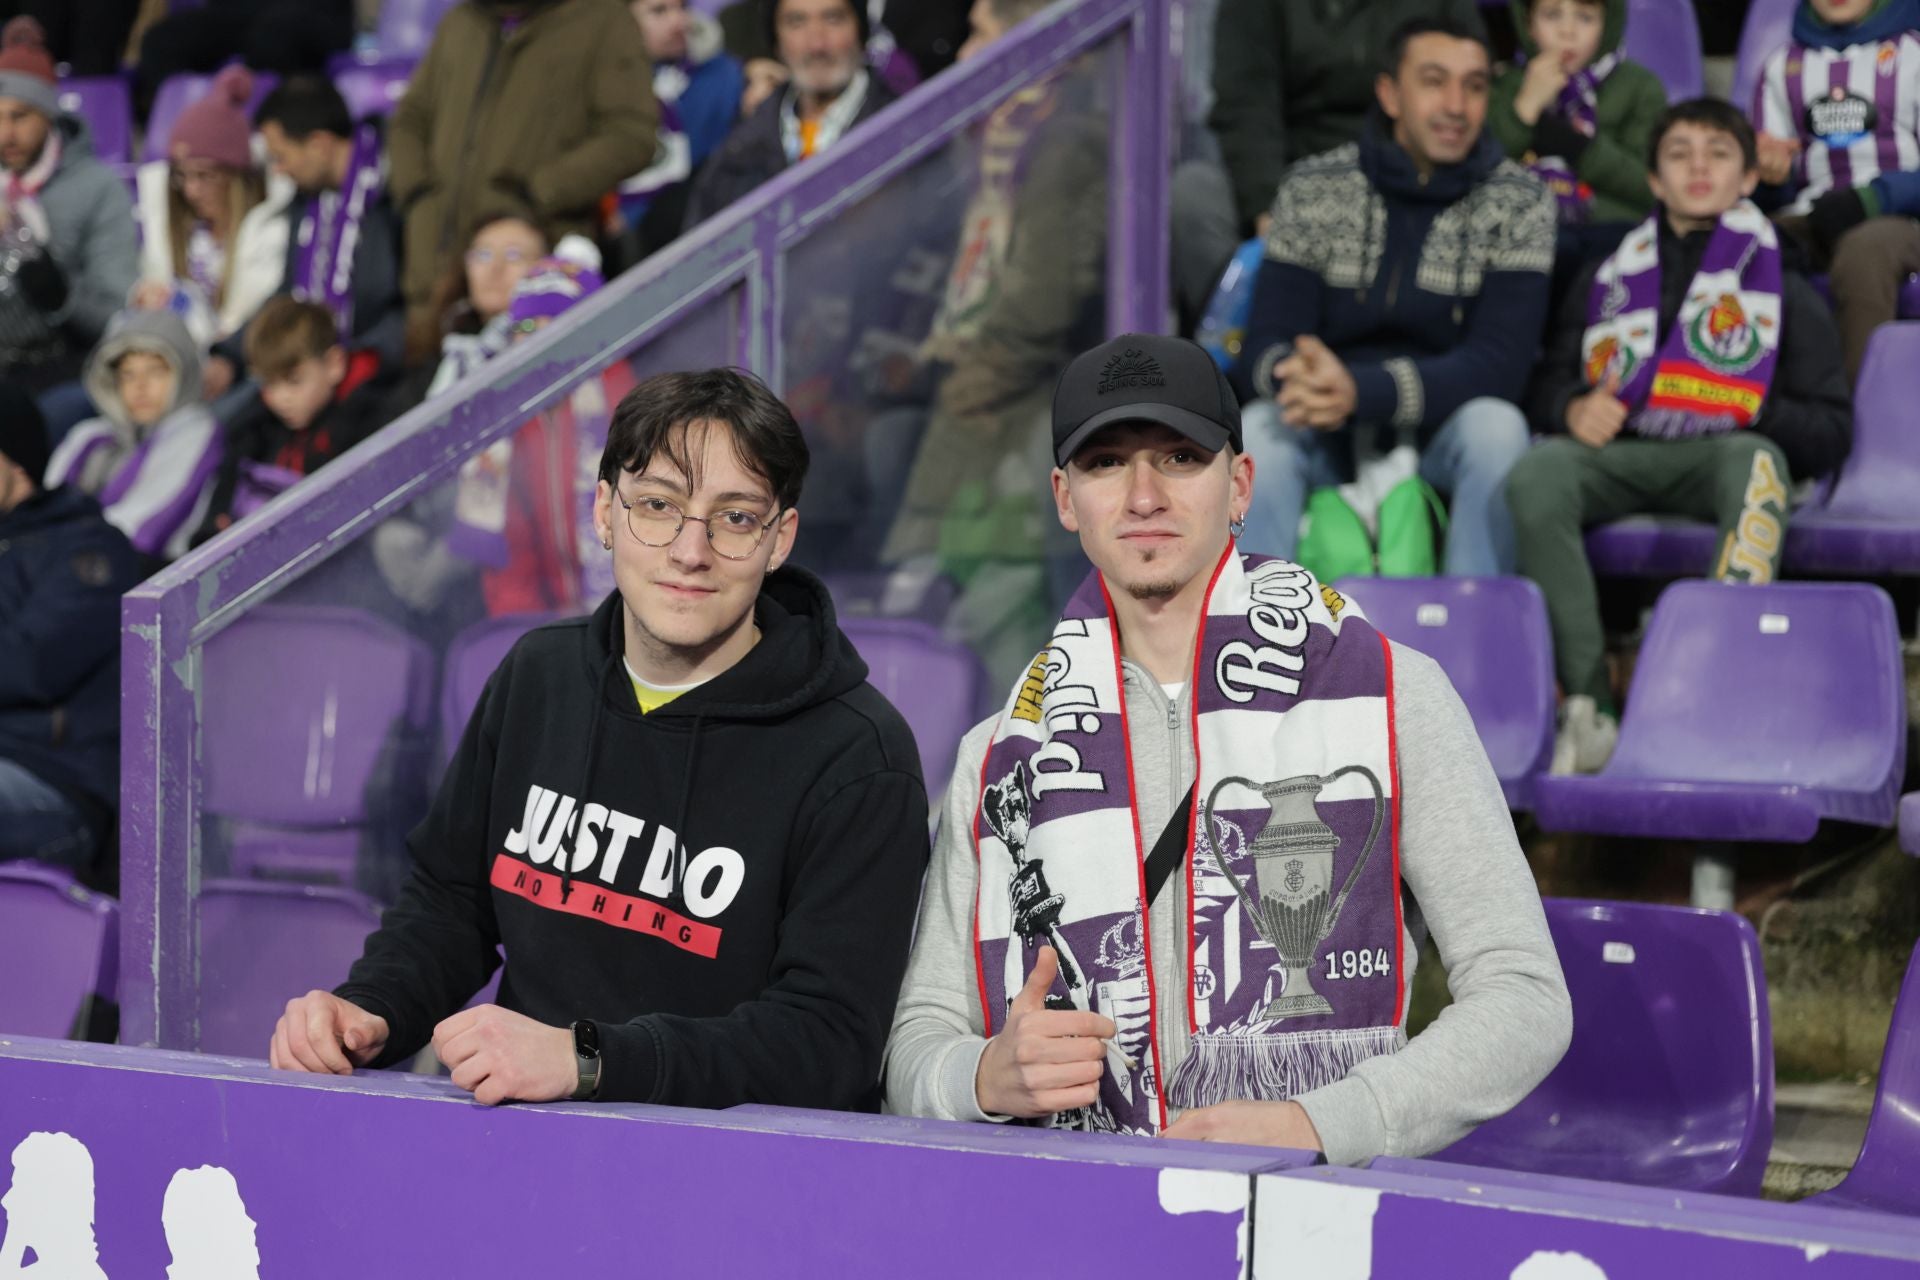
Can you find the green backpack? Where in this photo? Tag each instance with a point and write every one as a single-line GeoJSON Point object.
{"type": "Point", "coordinates": [1413, 528]}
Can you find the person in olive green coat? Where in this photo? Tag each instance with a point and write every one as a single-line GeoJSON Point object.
{"type": "Point", "coordinates": [539, 107]}
{"type": "Point", "coordinates": [1580, 113]}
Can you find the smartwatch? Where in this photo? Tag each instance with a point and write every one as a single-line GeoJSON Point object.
{"type": "Point", "coordinates": [586, 1057]}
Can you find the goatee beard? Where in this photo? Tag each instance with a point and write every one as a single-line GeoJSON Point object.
{"type": "Point", "coordinates": [1153, 590]}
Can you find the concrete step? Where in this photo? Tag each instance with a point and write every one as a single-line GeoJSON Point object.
{"type": "Point", "coordinates": [1817, 1131]}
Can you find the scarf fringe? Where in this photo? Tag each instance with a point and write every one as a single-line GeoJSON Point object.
{"type": "Point", "coordinates": [1273, 1068]}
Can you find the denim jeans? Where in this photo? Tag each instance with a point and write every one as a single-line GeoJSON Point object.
{"type": "Point", "coordinates": [39, 823]}
{"type": "Point", "coordinates": [1467, 461]}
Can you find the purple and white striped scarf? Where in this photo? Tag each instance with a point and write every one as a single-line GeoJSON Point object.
{"type": "Point", "coordinates": [673, 150]}
{"type": "Point", "coordinates": [329, 232]}
{"type": "Point", "coordinates": [1579, 103]}
{"type": "Point", "coordinates": [1712, 370]}
{"type": "Point", "coordinates": [1293, 932]}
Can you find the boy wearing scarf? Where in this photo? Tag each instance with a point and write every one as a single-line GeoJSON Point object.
{"type": "Point", "coordinates": [1689, 374]}
{"type": "Point", "coordinates": [1838, 110]}
{"type": "Point", "coordinates": [1314, 799]}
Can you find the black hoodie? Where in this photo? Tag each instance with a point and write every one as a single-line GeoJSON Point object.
{"type": "Point", "coordinates": [757, 958]}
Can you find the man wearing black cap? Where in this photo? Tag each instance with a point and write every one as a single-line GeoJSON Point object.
{"type": "Point", "coordinates": [62, 571]}
{"type": "Point", "coordinates": [1210, 828]}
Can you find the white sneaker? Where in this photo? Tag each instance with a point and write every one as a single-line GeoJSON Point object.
{"type": "Point", "coordinates": [1586, 738]}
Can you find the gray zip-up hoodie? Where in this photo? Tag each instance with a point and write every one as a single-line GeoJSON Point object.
{"type": "Point", "coordinates": [92, 240]}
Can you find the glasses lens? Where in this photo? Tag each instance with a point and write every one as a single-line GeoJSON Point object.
{"type": "Point", "coordinates": [654, 521]}
{"type": "Point", "coordinates": [736, 533]}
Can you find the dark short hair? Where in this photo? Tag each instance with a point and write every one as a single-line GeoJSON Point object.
{"type": "Point", "coordinates": [1708, 113]}
{"type": "Point", "coordinates": [1591, 4]}
{"type": "Point", "coordinates": [286, 331]}
{"type": "Point", "coordinates": [652, 419]}
{"type": "Point", "coordinates": [303, 106]}
{"type": "Point", "coordinates": [771, 8]}
{"type": "Point", "coordinates": [1412, 29]}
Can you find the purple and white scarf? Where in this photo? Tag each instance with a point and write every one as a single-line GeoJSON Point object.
{"type": "Point", "coordinates": [673, 150]}
{"type": "Point", "coordinates": [1712, 371]}
{"type": "Point", "coordinates": [1579, 104]}
{"type": "Point", "coordinates": [329, 232]}
{"type": "Point", "coordinates": [1293, 932]}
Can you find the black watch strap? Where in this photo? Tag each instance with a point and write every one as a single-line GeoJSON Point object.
{"type": "Point", "coordinates": [586, 1058]}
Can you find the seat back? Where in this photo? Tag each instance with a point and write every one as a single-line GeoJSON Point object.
{"type": "Point", "coordinates": [1889, 1160]}
{"type": "Point", "coordinates": [1882, 471]}
{"type": "Point", "coordinates": [1769, 25]}
{"type": "Point", "coordinates": [406, 26]}
{"type": "Point", "coordinates": [1663, 37]}
{"type": "Point", "coordinates": [180, 91]}
{"type": "Point", "coordinates": [1669, 1076]}
{"type": "Point", "coordinates": [59, 949]}
{"type": "Point", "coordinates": [262, 944]}
{"type": "Point", "coordinates": [472, 659]}
{"type": "Point", "coordinates": [373, 88]}
{"type": "Point", "coordinates": [106, 104]}
{"type": "Point", "coordinates": [1490, 636]}
{"type": "Point", "coordinates": [934, 683]}
{"type": "Point", "coordinates": [1784, 684]}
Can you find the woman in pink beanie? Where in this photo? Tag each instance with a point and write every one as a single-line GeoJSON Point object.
{"type": "Point", "coordinates": [216, 240]}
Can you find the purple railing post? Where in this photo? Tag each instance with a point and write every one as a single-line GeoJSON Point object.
{"type": "Point", "coordinates": [1138, 196]}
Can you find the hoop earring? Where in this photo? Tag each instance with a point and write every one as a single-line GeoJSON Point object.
{"type": "Point", "coordinates": [1236, 528]}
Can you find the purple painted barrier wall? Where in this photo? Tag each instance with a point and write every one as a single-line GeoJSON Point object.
{"type": "Point", "coordinates": [720, 295]}
{"type": "Point", "coordinates": [393, 1175]}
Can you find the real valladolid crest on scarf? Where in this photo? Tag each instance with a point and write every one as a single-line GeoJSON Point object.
{"type": "Point", "coordinates": [1293, 929]}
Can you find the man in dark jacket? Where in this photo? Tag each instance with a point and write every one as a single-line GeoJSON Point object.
{"type": "Point", "coordinates": [1690, 373]}
{"type": "Point", "coordinates": [1294, 78]}
{"type": "Point", "coordinates": [696, 829]}
{"type": "Point", "coordinates": [62, 571]}
{"type": "Point", "coordinates": [1400, 303]}
{"type": "Point", "coordinates": [830, 90]}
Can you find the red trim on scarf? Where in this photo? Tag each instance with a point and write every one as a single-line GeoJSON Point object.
{"type": "Point", "coordinates": [1193, 728]}
{"type": "Point", "coordinates": [1139, 864]}
{"type": "Point", "coordinates": [979, 879]}
{"type": "Point", "coordinates": [1393, 773]}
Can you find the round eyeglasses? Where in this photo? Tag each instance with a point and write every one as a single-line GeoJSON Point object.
{"type": "Point", "coordinates": [734, 534]}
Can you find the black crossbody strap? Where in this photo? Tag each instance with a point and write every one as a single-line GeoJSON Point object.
{"type": "Point", "coordinates": [1170, 849]}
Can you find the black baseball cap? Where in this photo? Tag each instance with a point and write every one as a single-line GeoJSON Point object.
{"type": "Point", "coordinates": [1143, 377]}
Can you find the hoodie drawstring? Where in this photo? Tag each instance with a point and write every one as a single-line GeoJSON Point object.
{"type": "Point", "coordinates": [586, 774]}
{"type": "Point", "coordinates": [679, 889]}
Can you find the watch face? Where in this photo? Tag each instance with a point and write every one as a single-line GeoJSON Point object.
{"type": "Point", "coordinates": [586, 1040]}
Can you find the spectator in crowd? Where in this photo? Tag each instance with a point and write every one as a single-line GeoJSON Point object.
{"type": "Point", "coordinates": [698, 85]}
{"type": "Point", "coordinates": [62, 571]}
{"type": "Point", "coordinates": [1023, 293]}
{"type": "Point", "coordinates": [1403, 291]}
{"type": "Point", "coordinates": [754, 955]}
{"type": "Point", "coordinates": [68, 251]}
{"type": "Point", "coordinates": [312, 413]}
{"type": "Point", "coordinates": [343, 243]}
{"type": "Point", "coordinates": [822, 44]}
{"type": "Point", "coordinates": [215, 243]}
{"type": "Point", "coordinates": [281, 37]}
{"type": "Point", "coordinates": [564, 111]}
{"type": "Point", "coordinates": [89, 37]}
{"type": "Point", "coordinates": [1042, 988]}
{"type": "Point", "coordinates": [1691, 374]}
{"type": "Point", "coordinates": [1838, 112]}
{"type": "Point", "coordinates": [1579, 114]}
{"type": "Point", "coordinates": [151, 454]}
{"type": "Point", "coordinates": [906, 41]}
{"type": "Point", "coordinates": [472, 298]}
{"type": "Point", "coordinates": [1294, 78]}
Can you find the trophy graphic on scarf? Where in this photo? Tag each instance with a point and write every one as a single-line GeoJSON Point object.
{"type": "Point", "coordinates": [1293, 877]}
{"type": "Point", "coordinates": [1008, 810]}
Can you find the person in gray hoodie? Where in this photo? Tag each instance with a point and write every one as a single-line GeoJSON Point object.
{"type": "Point", "coordinates": [68, 249]}
{"type": "Point", "coordinates": [151, 455]}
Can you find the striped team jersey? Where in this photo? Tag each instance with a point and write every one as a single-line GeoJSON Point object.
{"type": "Point", "coordinates": [1856, 111]}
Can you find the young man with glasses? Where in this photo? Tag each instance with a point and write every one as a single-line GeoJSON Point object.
{"type": "Point", "coordinates": [693, 827]}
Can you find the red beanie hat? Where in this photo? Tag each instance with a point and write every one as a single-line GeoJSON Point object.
{"type": "Point", "coordinates": [215, 128]}
{"type": "Point", "coordinates": [26, 68]}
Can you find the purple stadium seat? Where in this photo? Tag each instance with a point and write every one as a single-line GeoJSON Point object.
{"type": "Point", "coordinates": [1650, 546]}
{"type": "Point", "coordinates": [1663, 37]}
{"type": "Point", "coordinates": [59, 951]}
{"type": "Point", "coordinates": [373, 88]}
{"type": "Point", "coordinates": [1886, 1177]}
{"type": "Point", "coordinates": [934, 682]}
{"type": "Point", "coordinates": [263, 944]}
{"type": "Point", "coordinates": [472, 657]}
{"type": "Point", "coordinates": [1669, 1079]}
{"type": "Point", "coordinates": [1490, 636]}
{"type": "Point", "coordinates": [1910, 823]}
{"type": "Point", "coordinates": [178, 92]}
{"type": "Point", "coordinates": [1769, 24]}
{"type": "Point", "coordinates": [106, 104]}
{"type": "Point", "coordinates": [406, 26]}
{"type": "Point", "coordinates": [308, 712]}
{"type": "Point", "coordinates": [889, 594]}
{"type": "Point", "coordinates": [1755, 712]}
{"type": "Point", "coordinates": [1869, 524]}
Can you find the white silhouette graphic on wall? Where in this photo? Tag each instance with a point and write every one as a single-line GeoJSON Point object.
{"type": "Point", "coordinates": [49, 1208]}
{"type": "Point", "coordinates": [208, 1231]}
